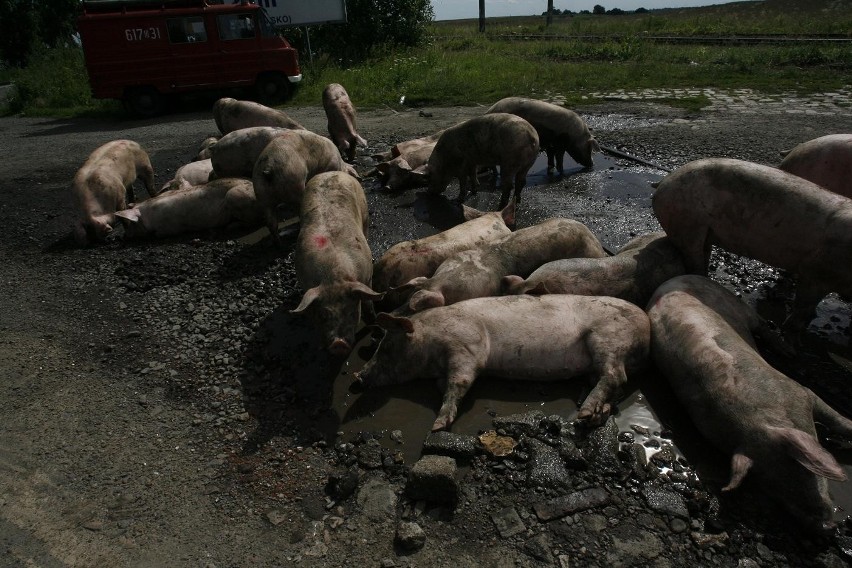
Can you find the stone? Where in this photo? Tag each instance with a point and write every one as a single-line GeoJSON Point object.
{"type": "Point", "coordinates": [377, 500]}
{"type": "Point", "coordinates": [508, 522]}
{"type": "Point", "coordinates": [571, 503]}
{"type": "Point", "coordinates": [539, 548]}
{"type": "Point", "coordinates": [666, 502]}
{"type": "Point", "coordinates": [460, 447]}
{"type": "Point", "coordinates": [545, 468]}
{"type": "Point", "coordinates": [526, 423]}
{"type": "Point", "coordinates": [603, 448]}
{"type": "Point", "coordinates": [432, 479]}
{"type": "Point", "coordinates": [410, 537]}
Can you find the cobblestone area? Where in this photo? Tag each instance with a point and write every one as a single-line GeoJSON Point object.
{"type": "Point", "coordinates": [748, 101]}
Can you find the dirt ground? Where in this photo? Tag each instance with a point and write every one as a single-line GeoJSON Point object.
{"type": "Point", "coordinates": [159, 406]}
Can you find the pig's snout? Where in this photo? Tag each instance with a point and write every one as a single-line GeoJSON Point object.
{"type": "Point", "coordinates": [339, 347]}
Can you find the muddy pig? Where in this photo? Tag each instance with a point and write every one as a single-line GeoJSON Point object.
{"type": "Point", "coordinates": [497, 139]}
{"type": "Point", "coordinates": [632, 274]}
{"type": "Point", "coordinates": [478, 272]}
{"type": "Point", "coordinates": [702, 342]}
{"type": "Point", "coordinates": [284, 167]}
{"type": "Point", "coordinates": [762, 213]}
{"type": "Point", "coordinates": [402, 172]}
{"type": "Point", "coordinates": [215, 204]}
{"type": "Point", "coordinates": [235, 153]}
{"type": "Point", "coordinates": [231, 114]}
{"type": "Point", "coordinates": [559, 130]}
{"type": "Point", "coordinates": [193, 173]}
{"type": "Point", "coordinates": [552, 337]}
{"type": "Point", "coordinates": [103, 184]}
{"type": "Point", "coordinates": [406, 146]}
{"type": "Point", "coordinates": [333, 260]}
{"type": "Point", "coordinates": [409, 259]}
{"type": "Point", "coordinates": [826, 161]}
{"type": "Point", "coordinates": [341, 120]}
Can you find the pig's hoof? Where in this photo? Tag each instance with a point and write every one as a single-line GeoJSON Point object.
{"type": "Point", "coordinates": [440, 424]}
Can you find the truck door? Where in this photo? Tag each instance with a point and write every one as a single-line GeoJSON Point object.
{"type": "Point", "coordinates": [238, 42]}
{"type": "Point", "coordinates": [193, 60]}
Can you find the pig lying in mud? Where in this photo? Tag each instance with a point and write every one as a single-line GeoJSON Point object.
{"type": "Point", "coordinates": [409, 259]}
{"type": "Point", "coordinates": [103, 184]}
{"type": "Point", "coordinates": [235, 154]}
{"type": "Point", "coordinates": [552, 337]}
{"type": "Point", "coordinates": [632, 274]}
{"type": "Point", "coordinates": [341, 120]}
{"type": "Point", "coordinates": [333, 259]}
{"type": "Point", "coordinates": [193, 173]}
{"type": "Point", "coordinates": [702, 342]}
{"type": "Point", "coordinates": [559, 130]}
{"type": "Point", "coordinates": [215, 204]}
{"type": "Point", "coordinates": [497, 139]}
{"type": "Point", "coordinates": [762, 213]}
{"type": "Point", "coordinates": [231, 114]}
{"type": "Point", "coordinates": [406, 146]}
{"type": "Point", "coordinates": [478, 272]}
{"type": "Point", "coordinates": [826, 161]}
{"type": "Point", "coordinates": [405, 171]}
{"type": "Point", "coordinates": [284, 167]}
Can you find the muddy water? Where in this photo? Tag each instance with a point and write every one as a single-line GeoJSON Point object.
{"type": "Point", "coordinates": [613, 198]}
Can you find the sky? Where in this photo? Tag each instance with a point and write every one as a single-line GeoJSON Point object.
{"type": "Point", "coordinates": [459, 9]}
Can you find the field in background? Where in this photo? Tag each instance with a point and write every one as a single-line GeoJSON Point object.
{"type": "Point", "coordinates": [574, 58]}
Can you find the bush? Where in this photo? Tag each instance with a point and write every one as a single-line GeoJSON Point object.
{"type": "Point", "coordinates": [55, 79]}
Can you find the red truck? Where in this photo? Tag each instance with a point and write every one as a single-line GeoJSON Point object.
{"type": "Point", "coordinates": [140, 51]}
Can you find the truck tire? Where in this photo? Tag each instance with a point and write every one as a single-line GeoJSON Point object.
{"type": "Point", "coordinates": [144, 101]}
{"type": "Point", "coordinates": [272, 88]}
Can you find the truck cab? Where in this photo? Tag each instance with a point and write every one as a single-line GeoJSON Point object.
{"type": "Point", "coordinates": [139, 51]}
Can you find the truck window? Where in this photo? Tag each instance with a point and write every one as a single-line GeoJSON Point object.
{"type": "Point", "coordinates": [186, 30]}
{"type": "Point", "coordinates": [236, 26]}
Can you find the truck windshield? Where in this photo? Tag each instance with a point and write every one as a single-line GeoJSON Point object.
{"type": "Point", "coordinates": [266, 27]}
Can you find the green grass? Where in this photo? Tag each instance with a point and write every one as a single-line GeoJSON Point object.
{"type": "Point", "coordinates": [461, 66]}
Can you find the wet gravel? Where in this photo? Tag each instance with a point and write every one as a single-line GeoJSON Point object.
{"type": "Point", "coordinates": [175, 413]}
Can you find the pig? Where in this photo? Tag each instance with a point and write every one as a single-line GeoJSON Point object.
{"type": "Point", "coordinates": [333, 259]}
{"type": "Point", "coordinates": [103, 184]}
{"type": "Point", "coordinates": [204, 148]}
{"type": "Point", "coordinates": [478, 272]}
{"type": "Point", "coordinates": [552, 337]}
{"type": "Point", "coordinates": [702, 341]}
{"type": "Point", "coordinates": [559, 130]}
{"type": "Point", "coordinates": [215, 204]}
{"type": "Point", "coordinates": [410, 259]}
{"type": "Point", "coordinates": [763, 213]}
{"type": "Point", "coordinates": [235, 153]}
{"type": "Point", "coordinates": [402, 172]}
{"type": "Point", "coordinates": [284, 167]}
{"type": "Point", "coordinates": [231, 114]}
{"type": "Point", "coordinates": [500, 139]}
{"type": "Point", "coordinates": [406, 146]}
{"type": "Point", "coordinates": [826, 161]}
{"type": "Point", "coordinates": [193, 173]}
{"type": "Point", "coordinates": [632, 274]}
{"type": "Point", "coordinates": [341, 120]}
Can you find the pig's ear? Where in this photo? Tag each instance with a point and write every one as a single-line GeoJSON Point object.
{"type": "Point", "coordinates": [784, 153]}
{"type": "Point", "coordinates": [412, 284]}
{"type": "Point", "coordinates": [740, 464]}
{"type": "Point", "coordinates": [382, 168]}
{"type": "Point", "coordinates": [129, 216]}
{"type": "Point", "coordinates": [425, 299]}
{"type": "Point", "coordinates": [508, 213]}
{"type": "Point", "coordinates": [469, 213]}
{"type": "Point", "coordinates": [806, 450]}
{"type": "Point", "coordinates": [307, 300]}
{"type": "Point", "coordinates": [540, 289]}
{"type": "Point", "coordinates": [365, 293]}
{"type": "Point", "coordinates": [394, 323]}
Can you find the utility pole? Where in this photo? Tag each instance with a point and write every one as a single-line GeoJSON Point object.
{"type": "Point", "coordinates": [549, 12]}
{"type": "Point", "coordinates": [482, 15]}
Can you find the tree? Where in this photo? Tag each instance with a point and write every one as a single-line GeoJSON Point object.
{"type": "Point", "coordinates": [24, 24]}
{"type": "Point", "coordinates": [598, 9]}
{"type": "Point", "coordinates": [615, 12]}
{"type": "Point", "coordinates": [641, 10]}
{"type": "Point", "coordinates": [374, 23]}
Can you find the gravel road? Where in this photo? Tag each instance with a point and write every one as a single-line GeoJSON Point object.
{"type": "Point", "coordinates": [161, 407]}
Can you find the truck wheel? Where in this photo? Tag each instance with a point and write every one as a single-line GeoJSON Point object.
{"type": "Point", "coordinates": [272, 88]}
{"type": "Point", "coordinates": [144, 101]}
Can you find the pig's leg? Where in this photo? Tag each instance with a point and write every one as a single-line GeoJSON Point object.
{"type": "Point", "coordinates": [832, 420]}
{"type": "Point", "coordinates": [551, 158]}
{"type": "Point", "coordinates": [608, 363]}
{"type": "Point", "coordinates": [460, 377]}
{"type": "Point", "coordinates": [146, 173]}
{"type": "Point", "coordinates": [560, 155]}
{"type": "Point", "coordinates": [520, 183]}
{"type": "Point", "coordinates": [272, 225]}
{"type": "Point", "coordinates": [808, 295]}
{"type": "Point", "coordinates": [506, 188]}
{"type": "Point", "coordinates": [130, 195]}
{"type": "Point", "coordinates": [694, 244]}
